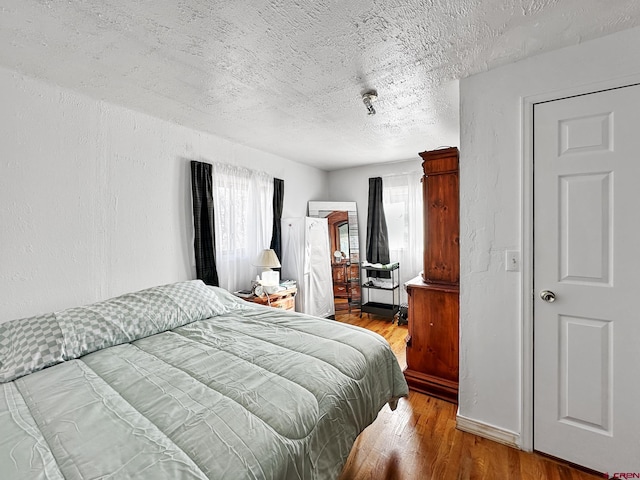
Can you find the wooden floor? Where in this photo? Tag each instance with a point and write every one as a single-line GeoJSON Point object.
{"type": "Point", "coordinates": [419, 440]}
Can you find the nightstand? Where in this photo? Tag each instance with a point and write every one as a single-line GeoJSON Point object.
{"type": "Point", "coordinates": [284, 299]}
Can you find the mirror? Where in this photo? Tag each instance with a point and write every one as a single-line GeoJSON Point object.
{"type": "Point", "coordinates": [343, 240]}
{"type": "Point", "coordinates": [342, 218]}
{"type": "Point", "coordinates": [325, 209]}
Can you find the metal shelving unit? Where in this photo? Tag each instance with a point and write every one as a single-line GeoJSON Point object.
{"type": "Point", "coordinates": [367, 285]}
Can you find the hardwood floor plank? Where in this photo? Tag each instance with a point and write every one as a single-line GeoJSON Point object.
{"type": "Point", "coordinates": [419, 440]}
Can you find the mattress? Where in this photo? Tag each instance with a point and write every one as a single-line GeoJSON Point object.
{"type": "Point", "coordinates": [187, 381]}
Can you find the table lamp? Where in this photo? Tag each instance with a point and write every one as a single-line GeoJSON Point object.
{"type": "Point", "coordinates": [268, 260]}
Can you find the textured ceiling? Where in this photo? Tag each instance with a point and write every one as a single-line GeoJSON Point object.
{"type": "Point", "coordinates": [286, 76]}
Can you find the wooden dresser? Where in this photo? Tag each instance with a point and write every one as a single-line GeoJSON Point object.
{"type": "Point", "coordinates": [432, 342]}
{"type": "Point", "coordinates": [346, 284]}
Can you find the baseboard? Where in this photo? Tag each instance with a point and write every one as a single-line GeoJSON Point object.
{"type": "Point", "coordinates": [490, 432]}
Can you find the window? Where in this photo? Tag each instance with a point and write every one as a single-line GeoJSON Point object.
{"type": "Point", "coordinates": [395, 211]}
{"type": "Point", "coordinates": [243, 203]}
{"type": "Point", "coordinates": [402, 199]}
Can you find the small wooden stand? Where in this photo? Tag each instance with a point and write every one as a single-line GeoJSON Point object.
{"type": "Point", "coordinates": [284, 299]}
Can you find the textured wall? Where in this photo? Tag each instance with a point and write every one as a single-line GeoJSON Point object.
{"type": "Point", "coordinates": [491, 371]}
{"type": "Point", "coordinates": [95, 199]}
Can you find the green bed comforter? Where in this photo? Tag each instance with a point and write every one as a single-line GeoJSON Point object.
{"type": "Point", "coordinates": [247, 393]}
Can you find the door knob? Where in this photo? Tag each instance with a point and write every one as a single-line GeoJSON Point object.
{"type": "Point", "coordinates": [548, 296]}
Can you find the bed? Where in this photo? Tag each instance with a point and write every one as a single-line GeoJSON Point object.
{"type": "Point", "coordinates": [186, 381]}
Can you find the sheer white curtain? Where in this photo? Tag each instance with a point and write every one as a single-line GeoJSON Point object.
{"type": "Point", "coordinates": [243, 206]}
{"type": "Point", "coordinates": [402, 199]}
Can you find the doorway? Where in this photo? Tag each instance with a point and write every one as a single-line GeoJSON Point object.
{"type": "Point", "coordinates": [586, 328]}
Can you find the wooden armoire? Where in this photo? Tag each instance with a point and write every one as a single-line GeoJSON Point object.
{"type": "Point", "coordinates": [432, 342]}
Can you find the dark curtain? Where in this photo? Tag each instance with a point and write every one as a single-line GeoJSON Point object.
{"type": "Point", "coordinates": [205, 241]}
{"type": "Point", "coordinates": [278, 200]}
{"type": "Point", "coordinates": [377, 235]}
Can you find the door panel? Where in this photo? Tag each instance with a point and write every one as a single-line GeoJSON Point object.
{"type": "Point", "coordinates": [586, 226]}
{"type": "Point", "coordinates": [591, 133]}
{"type": "Point", "coordinates": [585, 373]}
{"type": "Point", "coordinates": [585, 221]}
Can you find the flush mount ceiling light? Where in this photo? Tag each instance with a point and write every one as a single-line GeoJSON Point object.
{"type": "Point", "coordinates": [368, 98]}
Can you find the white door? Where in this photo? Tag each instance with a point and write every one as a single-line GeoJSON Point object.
{"type": "Point", "coordinates": [587, 254]}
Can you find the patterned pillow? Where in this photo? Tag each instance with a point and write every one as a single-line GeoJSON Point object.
{"type": "Point", "coordinates": [136, 315]}
{"type": "Point", "coordinates": [31, 344]}
{"type": "Point", "coordinates": [28, 345]}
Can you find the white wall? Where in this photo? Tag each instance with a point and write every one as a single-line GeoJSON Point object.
{"type": "Point", "coordinates": [95, 198]}
{"type": "Point", "coordinates": [491, 316]}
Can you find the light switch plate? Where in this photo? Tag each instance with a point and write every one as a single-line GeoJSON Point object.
{"type": "Point", "coordinates": [512, 261]}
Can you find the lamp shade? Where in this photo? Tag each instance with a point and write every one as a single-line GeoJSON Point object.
{"type": "Point", "coordinates": [268, 259]}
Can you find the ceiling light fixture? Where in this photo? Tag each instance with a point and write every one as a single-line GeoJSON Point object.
{"type": "Point", "coordinates": [368, 98]}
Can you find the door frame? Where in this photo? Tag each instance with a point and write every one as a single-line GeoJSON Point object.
{"type": "Point", "coordinates": [527, 104]}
